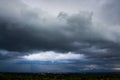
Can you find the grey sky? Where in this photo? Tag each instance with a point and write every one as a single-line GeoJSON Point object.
{"type": "Point", "coordinates": [66, 27]}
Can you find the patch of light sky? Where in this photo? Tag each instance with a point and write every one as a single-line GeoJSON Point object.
{"type": "Point", "coordinates": [54, 7]}
{"type": "Point", "coordinates": [53, 56]}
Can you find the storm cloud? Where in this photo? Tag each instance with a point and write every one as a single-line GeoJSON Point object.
{"type": "Point", "coordinates": [93, 33]}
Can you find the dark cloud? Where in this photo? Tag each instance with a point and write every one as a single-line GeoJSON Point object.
{"type": "Point", "coordinates": [24, 30]}
{"type": "Point", "coordinates": [8, 55]}
{"type": "Point", "coordinates": [28, 31]}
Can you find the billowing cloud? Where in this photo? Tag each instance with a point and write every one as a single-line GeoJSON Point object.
{"type": "Point", "coordinates": [58, 34]}
{"type": "Point", "coordinates": [93, 31]}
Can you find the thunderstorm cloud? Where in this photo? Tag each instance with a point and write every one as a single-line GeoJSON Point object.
{"type": "Point", "coordinates": [86, 34]}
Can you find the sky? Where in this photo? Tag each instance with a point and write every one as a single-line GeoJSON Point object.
{"type": "Point", "coordinates": [59, 36]}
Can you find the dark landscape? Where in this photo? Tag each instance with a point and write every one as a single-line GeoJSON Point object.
{"type": "Point", "coordinates": [59, 76]}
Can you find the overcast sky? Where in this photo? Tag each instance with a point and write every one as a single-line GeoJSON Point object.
{"type": "Point", "coordinates": [59, 35]}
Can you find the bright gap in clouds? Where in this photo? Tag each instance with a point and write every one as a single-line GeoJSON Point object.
{"type": "Point", "coordinates": [118, 69]}
{"type": "Point", "coordinates": [53, 56]}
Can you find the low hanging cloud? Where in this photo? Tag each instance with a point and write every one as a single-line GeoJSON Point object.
{"type": "Point", "coordinates": [4, 54]}
{"type": "Point", "coordinates": [53, 56]}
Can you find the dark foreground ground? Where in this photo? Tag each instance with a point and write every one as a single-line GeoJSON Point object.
{"type": "Point", "coordinates": [44, 76]}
